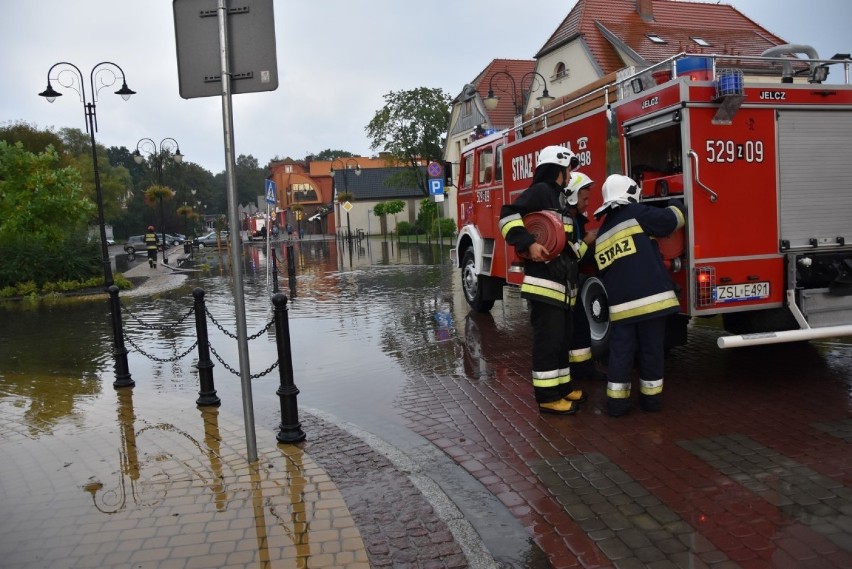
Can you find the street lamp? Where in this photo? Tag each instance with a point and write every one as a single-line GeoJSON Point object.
{"type": "Point", "coordinates": [157, 153]}
{"type": "Point", "coordinates": [345, 188]}
{"type": "Point", "coordinates": [68, 76]}
{"type": "Point", "coordinates": [491, 100]}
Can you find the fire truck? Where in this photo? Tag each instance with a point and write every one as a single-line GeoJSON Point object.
{"type": "Point", "coordinates": [757, 149]}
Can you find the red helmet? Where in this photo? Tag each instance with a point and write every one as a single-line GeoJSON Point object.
{"type": "Point", "coordinates": [150, 228]}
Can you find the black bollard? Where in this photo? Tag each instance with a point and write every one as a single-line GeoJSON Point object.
{"type": "Point", "coordinates": [291, 261]}
{"type": "Point", "coordinates": [207, 391]}
{"type": "Point", "coordinates": [119, 351]}
{"type": "Point", "coordinates": [290, 430]}
{"type": "Point", "coordinates": [274, 271]}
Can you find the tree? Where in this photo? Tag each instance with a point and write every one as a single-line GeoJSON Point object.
{"type": "Point", "coordinates": [329, 154]}
{"type": "Point", "coordinates": [37, 198]}
{"type": "Point", "coordinates": [32, 139]}
{"type": "Point", "coordinates": [412, 127]}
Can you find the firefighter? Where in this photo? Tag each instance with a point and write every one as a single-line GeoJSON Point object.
{"type": "Point", "coordinates": [151, 243]}
{"type": "Point", "coordinates": [550, 286]}
{"type": "Point", "coordinates": [580, 350]}
{"type": "Point", "coordinates": [639, 291]}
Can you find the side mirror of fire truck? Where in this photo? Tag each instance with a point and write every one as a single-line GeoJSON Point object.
{"type": "Point", "coordinates": [448, 174]}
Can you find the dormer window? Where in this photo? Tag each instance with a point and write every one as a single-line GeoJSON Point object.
{"type": "Point", "coordinates": [561, 72]}
{"type": "Point", "coordinates": [655, 38]}
{"type": "Point", "coordinates": [701, 41]}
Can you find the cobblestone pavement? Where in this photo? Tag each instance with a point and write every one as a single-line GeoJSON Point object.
{"type": "Point", "coordinates": [747, 466]}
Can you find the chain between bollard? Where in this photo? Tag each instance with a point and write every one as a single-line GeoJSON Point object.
{"type": "Point", "coordinates": [161, 360]}
{"type": "Point", "coordinates": [234, 336]}
{"type": "Point", "coordinates": [237, 373]}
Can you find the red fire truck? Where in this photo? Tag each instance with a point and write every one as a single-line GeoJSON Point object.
{"type": "Point", "coordinates": [758, 151]}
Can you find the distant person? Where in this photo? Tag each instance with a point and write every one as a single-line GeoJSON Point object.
{"type": "Point", "coordinates": [639, 291]}
{"type": "Point", "coordinates": [151, 243]}
{"type": "Point", "coordinates": [289, 231]}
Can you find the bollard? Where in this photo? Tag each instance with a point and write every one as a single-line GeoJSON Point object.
{"type": "Point", "coordinates": [119, 351]}
{"type": "Point", "coordinates": [291, 261]}
{"type": "Point", "coordinates": [207, 391]}
{"type": "Point", "coordinates": [290, 430]}
{"type": "Point", "coordinates": [274, 271]}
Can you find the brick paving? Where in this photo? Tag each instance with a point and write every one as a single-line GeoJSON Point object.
{"type": "Point", "coordinates": [747, 466]}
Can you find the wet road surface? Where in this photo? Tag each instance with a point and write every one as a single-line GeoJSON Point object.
{"type": "Point", "coordinates": [748, 465]}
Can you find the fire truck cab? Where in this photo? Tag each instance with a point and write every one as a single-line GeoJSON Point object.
{"type": "Point", "coordinates": [760, 160]}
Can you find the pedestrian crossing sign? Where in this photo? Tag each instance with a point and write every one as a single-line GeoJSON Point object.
{"type": "Point", "coordinates": [270, 192]}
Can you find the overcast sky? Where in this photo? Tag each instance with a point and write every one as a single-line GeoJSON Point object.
{"type": "Point", "coordinates": [336, 59]}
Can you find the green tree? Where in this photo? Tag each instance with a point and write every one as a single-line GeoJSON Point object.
{"type": "Point", "coordinates": [412, 127]}
{"type": "Point", "coordinates": [380, 211]}
{"type": "Point", "coordinates": [329, 154]}
{"type": "Point", "coordinates": [37, 198]}
{"type": "Point", "coordinates": [32, 139]}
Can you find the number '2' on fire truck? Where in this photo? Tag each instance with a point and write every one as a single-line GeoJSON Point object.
{"type": "Point", "coordinates": [759, 153]}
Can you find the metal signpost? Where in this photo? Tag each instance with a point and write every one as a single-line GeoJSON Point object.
{"type": "Point", "coordinates": [270, 201]}
{"type": "Point", "coordinates": [226, 47]}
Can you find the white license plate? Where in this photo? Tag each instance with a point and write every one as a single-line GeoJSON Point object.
{"type": "Point", "coordinates": [740, 292]}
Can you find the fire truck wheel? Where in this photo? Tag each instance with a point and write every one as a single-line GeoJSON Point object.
{"type": "Point", "coordinates": [471, 284]}
{"type": "Point", "coordinates": [593, 301]}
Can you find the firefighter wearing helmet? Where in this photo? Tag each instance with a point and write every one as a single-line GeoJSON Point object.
{"type": "Point", "coordinates": [151, 243]}
{"type": "Point", "coordinates": [639, 291]}
{"type": "Point", "coordinates": [580, 349]}
{"type": "Point", "coordinates": [550, 280]}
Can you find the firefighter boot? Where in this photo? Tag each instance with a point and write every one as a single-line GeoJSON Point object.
{"type": "Point", "coordinates": [651, 403]}
{"type": "Point", "coordinates": [576, 396]}
{"type": "Point", "coordinates": [617, 407]}
{"type": "Point", "coordinates": [559, 407]}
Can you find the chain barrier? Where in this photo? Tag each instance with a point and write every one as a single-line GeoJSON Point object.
{"type": "Point", "coordinates": [155, 358]}
{"type": "Point", "coordinates": [234, 336]}
{"type": "Point", "coordinates": [237, 373]}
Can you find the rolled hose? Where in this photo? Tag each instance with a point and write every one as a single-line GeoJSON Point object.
{"type": "Point", "coordinates": [547, 228]}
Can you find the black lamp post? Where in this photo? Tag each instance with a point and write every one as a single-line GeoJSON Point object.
{"type": "Point", "coordinates": [69, 75]}
{"type": "Point", "coordinates": [345, 188]}
{"type": "Point", "coordinates": [157, 154]}
{"type": "Point", "coordinates": [491, 101]}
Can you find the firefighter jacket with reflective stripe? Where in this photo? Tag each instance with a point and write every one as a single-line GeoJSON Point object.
{"type": "Point", "coordinates": [554, 282]}
{"type": "Point", "coordinates": [631, 267]}
{"type": "Point", "coordinates": [151, 240]}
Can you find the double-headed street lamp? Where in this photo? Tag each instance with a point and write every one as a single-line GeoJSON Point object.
{"type": "Point", "coordinates": [103, 75]}
{"type": "Point", "coordinates": [491, 100]}
{"type": "Point", "coordinates": [345, 187]}
{"type": "Point", "coordinates": [158, 153]}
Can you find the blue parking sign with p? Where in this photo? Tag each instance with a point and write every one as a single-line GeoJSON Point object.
{"type": "Point", "coordinates": [436, 186]}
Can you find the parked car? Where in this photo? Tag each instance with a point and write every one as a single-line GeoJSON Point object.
{"type": "Point", "coordinates": [209, 240]}
{"type": "Point", "coordinates": [136, 244]}
{"type": "Point", "coordinates": [175, 239]}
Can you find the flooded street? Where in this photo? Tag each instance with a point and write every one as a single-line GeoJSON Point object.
{"type": "Point", "coordinates": [747, 466]}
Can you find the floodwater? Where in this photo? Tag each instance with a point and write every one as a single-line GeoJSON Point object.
{"type": "Point", "coordinates": [360, 326]}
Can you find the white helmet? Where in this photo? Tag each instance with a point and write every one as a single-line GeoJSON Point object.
{"type": "Point", "coordinates": [578, 181]}
{"type": "Point", "coordinates": [558, 155]}
{"type": "Point", "coordinates": [618, 189]}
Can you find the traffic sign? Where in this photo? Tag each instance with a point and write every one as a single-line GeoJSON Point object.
{"type": "Point", "coordinates": [270, 192]}
{"type": "Point", "coordinates": [347, 206]}
{"type": "Point", "coordinates": [436, 186]}
{"type": "Point", "coordinates": [435, 170]}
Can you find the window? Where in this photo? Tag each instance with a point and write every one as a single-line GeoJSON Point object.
{"type": "Point", "coordinates": [655, 38]}
{"type": "Point", "coordinates": [701, 41]}
{"type": "Point", "coordinates": [560, 72]}
{"type": "Point", "coordinates": [467, 107]}
{"type": "Point", "coordinates": [486, 166]}
{"type": "Point", "coordinates": [303, 193]}
{"type": "Point", "coordinates": [498, 164]}
{"type": "Point", "coordinates": [468, 170]}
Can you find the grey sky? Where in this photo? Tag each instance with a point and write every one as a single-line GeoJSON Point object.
{"type": "Point", "coordinates": [336, 59]}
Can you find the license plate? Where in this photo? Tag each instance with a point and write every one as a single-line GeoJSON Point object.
{"type": "Point", "coordinates": [740, 292]}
